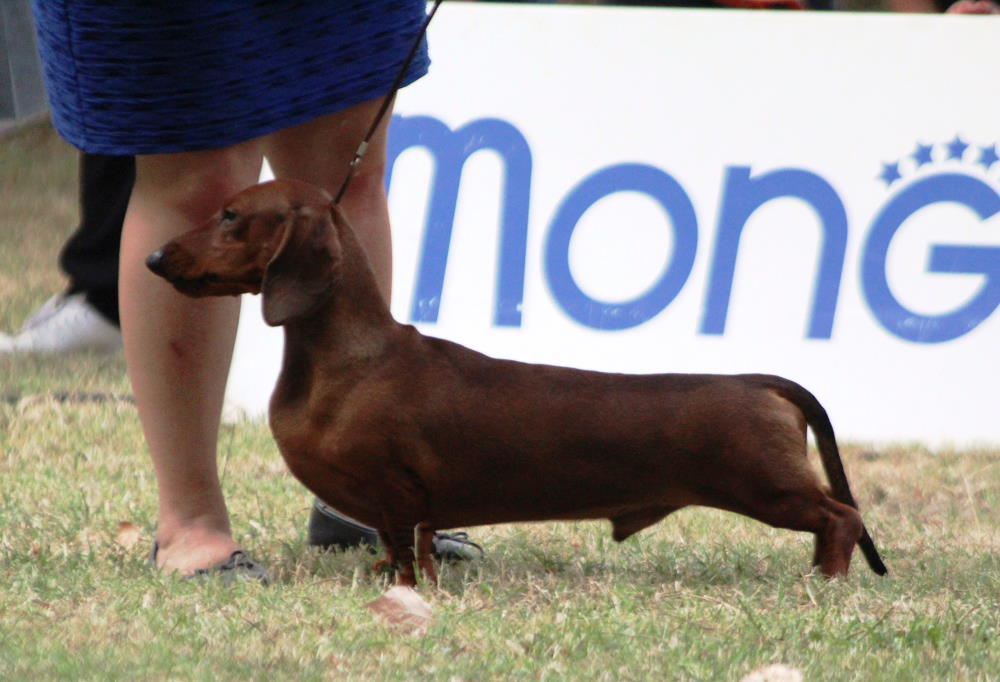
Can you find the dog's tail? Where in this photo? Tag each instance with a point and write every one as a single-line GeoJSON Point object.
{"type": "Point", "coordinates": [826, 442]}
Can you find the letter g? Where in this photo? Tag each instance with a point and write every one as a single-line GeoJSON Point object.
{"type": "Point", "coordinates": [980, 260]}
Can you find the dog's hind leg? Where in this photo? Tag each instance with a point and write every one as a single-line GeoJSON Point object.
{"type": "Point", "coordinates": [631, 522]}
{"type": "Point", "coordinates": [835, 542]}
{"type": "Point", "coordinates": [837, 527]}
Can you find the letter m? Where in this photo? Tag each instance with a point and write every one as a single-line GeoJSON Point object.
{"type": "Point", "coordinates": [450, 150]}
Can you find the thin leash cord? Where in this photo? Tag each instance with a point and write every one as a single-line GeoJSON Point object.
{"type": "Point", "coordinates": [386, 102]}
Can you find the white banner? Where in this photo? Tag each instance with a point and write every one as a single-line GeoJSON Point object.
{"type": "Point", "coordinates": [813, 195]}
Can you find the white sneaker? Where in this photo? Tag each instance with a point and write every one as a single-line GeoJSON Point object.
{"type": "Point", "coordinates": [64, 324]}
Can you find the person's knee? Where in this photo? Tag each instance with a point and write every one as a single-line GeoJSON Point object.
{"type": "Point", "coordinates": [195, 184]}
{"type": "Point", "coordinates": [367, 184]}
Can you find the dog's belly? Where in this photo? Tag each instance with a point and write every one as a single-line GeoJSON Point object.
{"type": "Point", "coordinates": [515, 489]}
{"type": "Point", "coordinates": [449, 519]}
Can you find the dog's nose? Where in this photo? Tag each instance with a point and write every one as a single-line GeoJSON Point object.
{"type": "Point", "coordinates": [155, 261]}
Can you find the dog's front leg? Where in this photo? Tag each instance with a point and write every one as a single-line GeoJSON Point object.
{"type": "Point", "coordinates": [425, 546]}
{"type": "Point", "coordinates": [398, 543]}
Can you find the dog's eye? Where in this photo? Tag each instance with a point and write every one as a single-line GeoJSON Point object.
{"type": "Point", "coordinates": [228, 216]}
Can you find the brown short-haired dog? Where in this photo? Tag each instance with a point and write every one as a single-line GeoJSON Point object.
{"type": "Point", "coordinates": [402, 431]}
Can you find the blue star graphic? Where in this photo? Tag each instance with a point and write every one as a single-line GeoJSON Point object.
{"type": "Point", "coordinates": [988, 156]}
{"type": "Point", "coordinates": [956, 148]}
{"type": "Point", "coordinates": [923, 154]}
{"type": "Point", "coordinates": [890, 173]}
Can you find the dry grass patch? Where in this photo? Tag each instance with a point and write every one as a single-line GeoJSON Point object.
{"type": "Point", "coordinates": [704, 595]}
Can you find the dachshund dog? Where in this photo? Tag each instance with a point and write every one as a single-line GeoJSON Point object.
{"type": "Point", "coordinates": [403, 431]}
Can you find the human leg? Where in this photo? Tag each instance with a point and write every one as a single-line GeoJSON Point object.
{"type": "Point", "coordinates": [320, 151]}
{"type": "Point", "coordinates": [177, 349]}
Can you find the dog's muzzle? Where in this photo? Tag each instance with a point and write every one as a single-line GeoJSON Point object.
{"type": "Point", "coordinates": [156, 262]}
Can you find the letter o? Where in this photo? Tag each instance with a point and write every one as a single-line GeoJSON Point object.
{"type": "Point", "coordinates": [621, 178]}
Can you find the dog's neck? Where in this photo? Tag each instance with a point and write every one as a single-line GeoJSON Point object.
{"type": "Point", "coordinates": [351, 324]}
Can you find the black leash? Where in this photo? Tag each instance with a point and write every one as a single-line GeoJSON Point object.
{"type": "Point", "coordinates": [386, 102]}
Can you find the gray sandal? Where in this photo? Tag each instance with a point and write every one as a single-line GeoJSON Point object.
{"type": "Point", "coordinates": [237, 567]}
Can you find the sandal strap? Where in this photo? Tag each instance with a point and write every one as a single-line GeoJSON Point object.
{"type": "Point", "coordinates": [237, 565]}
{"type": "Point", "coordinates": [458, 538]}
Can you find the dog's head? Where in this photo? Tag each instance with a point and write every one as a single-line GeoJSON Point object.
{"type": "Point", "coordinates": [276, 238]}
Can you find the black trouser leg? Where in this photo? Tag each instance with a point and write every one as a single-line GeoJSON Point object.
{"type": "Point", "coordinates": [90, 256]}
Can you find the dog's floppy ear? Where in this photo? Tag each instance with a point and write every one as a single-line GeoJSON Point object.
{"type": "Point", "coordinates": [300, 272]}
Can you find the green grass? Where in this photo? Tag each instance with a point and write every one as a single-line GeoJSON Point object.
{"type": "Point", "coordinates": [702, 596]}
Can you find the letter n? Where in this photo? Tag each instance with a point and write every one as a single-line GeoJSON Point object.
{"type": "Point", "coordinates": [741, 197]}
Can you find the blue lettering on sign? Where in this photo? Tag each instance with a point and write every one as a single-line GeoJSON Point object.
{"type": "Point", "coordinates": [628, 177]}
{"type": "Point", "coordinates": [451, 149]}
{"type": "Point", "coordinates": [980, 260]}
{"type": "Point", "coordinates": [742, 195]}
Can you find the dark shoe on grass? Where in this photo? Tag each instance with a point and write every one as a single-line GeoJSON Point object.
{"type": "Point", "coordinates": [328, 529]}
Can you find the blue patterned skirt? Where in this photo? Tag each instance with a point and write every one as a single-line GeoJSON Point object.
{"type": "Point", "coordinates": [135, 77]}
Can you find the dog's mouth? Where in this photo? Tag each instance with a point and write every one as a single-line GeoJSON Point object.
{"type": "Point", "coordinates": [209, 284]}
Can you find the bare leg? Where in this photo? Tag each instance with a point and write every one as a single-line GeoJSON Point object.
{"type": "Point", "coordinates": [319, 152]}
{"type": "Point", "coordinates": [177, 349]}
